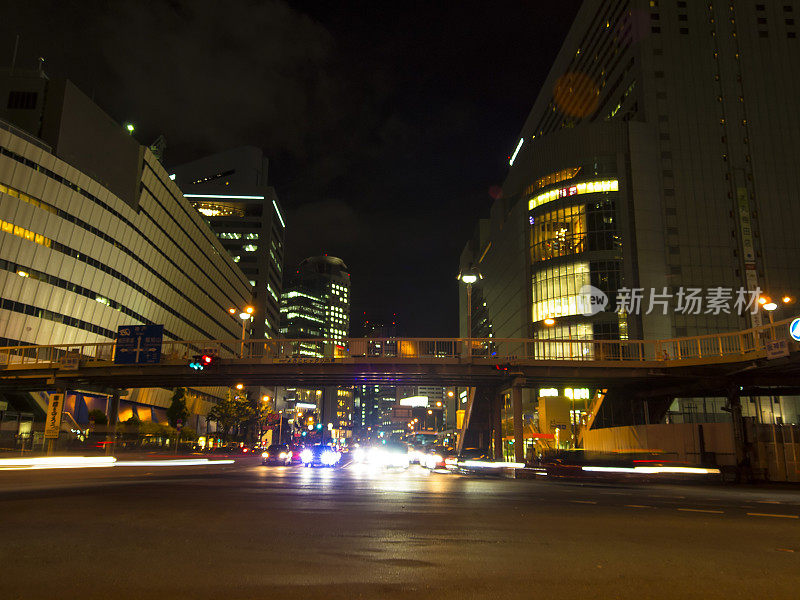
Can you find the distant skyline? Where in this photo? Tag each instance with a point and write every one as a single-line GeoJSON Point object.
{"type": "Point", "coordinates": [386, 125]}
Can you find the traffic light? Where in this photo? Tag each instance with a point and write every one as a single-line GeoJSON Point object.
{"type": "Point", "coordinates": [319, 426]}
{"type": "Point", "coordinates": [202, 361]}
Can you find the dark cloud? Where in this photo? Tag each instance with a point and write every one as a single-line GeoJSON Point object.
{"type": "Point", "coordinates": [386, 124]}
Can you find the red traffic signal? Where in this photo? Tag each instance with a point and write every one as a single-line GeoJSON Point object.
{"type": "Point", "coordinates": [203, 361]}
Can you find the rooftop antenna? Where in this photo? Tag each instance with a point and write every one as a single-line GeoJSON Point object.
{"type": "Point", "coordinates": [14, 55]}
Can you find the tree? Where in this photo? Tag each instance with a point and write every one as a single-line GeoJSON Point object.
{"type": "Point", "coordinates": [231, 413]}
{"type": "Point", "coordinates": [98, 416]}
{"type": "Point", "coordinates": [177, 409]}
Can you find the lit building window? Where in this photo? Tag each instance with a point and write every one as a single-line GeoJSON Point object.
{"type": "Point", "coordinates": [25, 233]}
{"type": "Point", "coordinates": [251, 236]}
{"type": "Point", "coordinates": [228, 235]}
{"type": "Point", "coordinates": [555, 290]}
{"type": "Point", "coordinates": [250, 248]}
{"type": "Point", "coordinates": [587, 187]}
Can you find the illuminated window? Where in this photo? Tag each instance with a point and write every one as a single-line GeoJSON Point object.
{"type": "Point", "coordinates": [250, 248]}
{"type": "Point", "coordinates": [586, 187]}
{"type": "Point", "coordinates": [25, 233]}
{"type": "Point", "coordinates": [228, 235]}
{"type": "Point", "coordinates": [236, 259]}
{"type": "Point", "coordinates": [211, 209]}
{"type": "Point", "coordinates": [573, 230]}
{"type": "Point", "coordinates": [555, 290]}
{"type": "Point", "coordinates": [250, 236]}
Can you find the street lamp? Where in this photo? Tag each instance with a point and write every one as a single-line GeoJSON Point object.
{"type": "Point", "coordinates": [469, 277]}
{"type": "Point", "coordinates": [245, 315]}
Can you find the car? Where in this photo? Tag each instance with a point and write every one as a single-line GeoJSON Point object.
{"type": "Point", "coordinates": [471, 460]}
{"type": "Point", "coordinates": [277, 454]}
{"type": "Point", "coordinates": [438, 457]}
{"type": "Point", "coordinates": [296, 450]}
{"type": "Point", "coordinates": [320, 456]}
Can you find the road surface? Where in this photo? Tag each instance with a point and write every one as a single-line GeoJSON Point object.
{"type": "Point", "coordinates": [244, 531]}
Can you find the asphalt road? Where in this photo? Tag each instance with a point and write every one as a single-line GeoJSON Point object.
{"type": "Point", "coordinates": [244, 531]}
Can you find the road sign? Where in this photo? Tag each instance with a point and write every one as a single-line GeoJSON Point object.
{"type": "Point", "coordinates": [139, 345]}
{"type": "Point", "coordinates": [71, 361]}
{"type": "Point", "coordinates": [794, 330]}
{"type": "Point", "coordinates": [777, 349]}
{"type": "Point", "coordinates": [54, 410]}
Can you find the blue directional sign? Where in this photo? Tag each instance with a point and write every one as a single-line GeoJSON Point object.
{"type": "Point", "coordinates": [139, 344]}
{"type": "Point", "coordinates": [794, 330]}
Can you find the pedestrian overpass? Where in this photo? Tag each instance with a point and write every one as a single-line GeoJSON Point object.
{"type": "Point", "coordinates": [763, 360]}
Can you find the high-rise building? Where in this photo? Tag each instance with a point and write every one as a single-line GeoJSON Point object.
{"type": "Point", "coordinates": [94, 235]}
{"type": "Point", "coordinates": [315, 305]}
{"type": "Point", "coordinates": [230, 190]}
{"type": "Point", "coordinates": [659, 156]}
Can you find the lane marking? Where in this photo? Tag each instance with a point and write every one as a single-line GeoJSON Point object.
{"type": "Point", "coordinates": [638, 506]}
{"type": "Point", "coordinates": [660, 496]}
{"type": "Point", "coordinates": [767, 502]}
{"type": "Point", "coordinates": [773, 515]}
{"type": "Point", "coordinates": [702, 510]}
{"type": "Point", "coordinates": [584, 501]}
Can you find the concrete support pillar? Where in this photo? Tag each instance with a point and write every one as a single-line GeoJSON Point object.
{"type": "Point", "coordinates": [497, 425]}
{"type": "Point", "coordinates": [113, 418]}
{"type": "Point", "coordinates": [519, 440]}
{"type": "Point", "coordinates": [743, 467]}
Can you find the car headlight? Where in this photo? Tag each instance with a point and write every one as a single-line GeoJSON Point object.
{"type": "Point", "coordinates": [265, 455]}
{"type": "Point", "coordinates": [306, 456]}
{"type": "Point", "coordinates": [282, 455]}
{"type": "Point", "coordinates": [329, 457]}
{"type": "Point", "coordinates": [436, 459]}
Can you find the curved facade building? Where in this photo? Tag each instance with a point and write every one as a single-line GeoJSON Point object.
{"type": "Point", "coordinates": [657, 159]}
{"type": "Point", "coordinates": [95, 235]}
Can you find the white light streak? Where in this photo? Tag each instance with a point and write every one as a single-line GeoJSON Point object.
{"type": "Point", "coordinates": [514, 156]}
{"type": "Point", "coordinates": [278, 212]}
{"type": "Point", "coordinates": [223, 196]}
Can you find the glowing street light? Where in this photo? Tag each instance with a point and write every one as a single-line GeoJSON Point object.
{"type": "Point", "coordinates": [549, 321]}
{"type": "Point", "coordinates": [239, 386]}
{"type": "Point", "coordinates": [469, 277]}
{"type": "Point", "coordinates": [130, 128]}
{"type": "Point", "coordinates": [245, 314]}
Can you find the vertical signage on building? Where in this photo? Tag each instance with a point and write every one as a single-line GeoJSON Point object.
{"type": "Point", "coordinates": [54, 409]}
{"type": "Point", "coordinates": [748, 249]}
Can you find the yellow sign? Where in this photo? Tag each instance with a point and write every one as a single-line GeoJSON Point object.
{"type": "Point", "coordinates": [54, 411]}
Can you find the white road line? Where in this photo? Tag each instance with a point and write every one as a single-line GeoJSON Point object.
{"type": "Point", "coordinates": [584, 501]}
{"type": "Point", "coordinates": [767, 502]}
{"type": "Point", "coordinates": [638, 506]}
{"type": "Point", "coordinates": [702, 510]}
{"type": "Point", "coordinates": [773, 515]}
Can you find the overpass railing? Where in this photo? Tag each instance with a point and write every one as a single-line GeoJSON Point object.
{"type": "Point", "coordinates": [711, 348]}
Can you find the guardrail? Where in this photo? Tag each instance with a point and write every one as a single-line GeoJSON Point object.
{"type": "Point", "coordinates": [711, 348]}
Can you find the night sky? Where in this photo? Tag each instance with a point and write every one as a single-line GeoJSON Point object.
{"type": "Point", "coordinates": [387, 124]}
